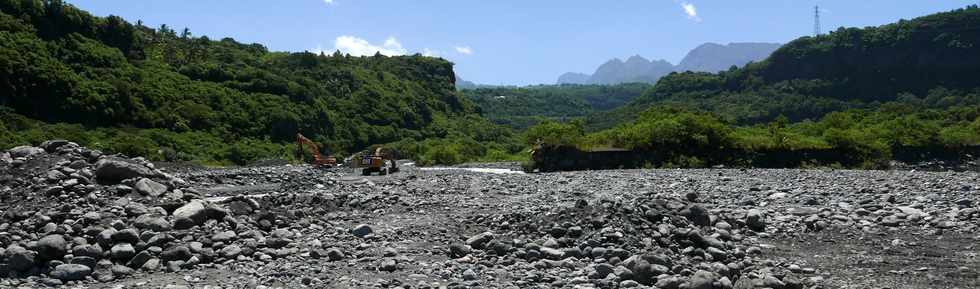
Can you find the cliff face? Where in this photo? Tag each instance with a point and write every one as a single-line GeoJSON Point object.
{"type": "Point", "coordinates": [712, 57]}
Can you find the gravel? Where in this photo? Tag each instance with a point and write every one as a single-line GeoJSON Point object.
{"type": "Point", "coordinates": [296, 226]}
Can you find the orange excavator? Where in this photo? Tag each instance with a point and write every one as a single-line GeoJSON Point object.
{"type": "Point", "coordinates": [318, 160]}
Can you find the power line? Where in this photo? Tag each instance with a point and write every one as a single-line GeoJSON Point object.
{"type": "Point", "coordinates": [816, 21]}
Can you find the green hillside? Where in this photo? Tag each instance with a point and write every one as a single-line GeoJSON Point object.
{"type": "Point", "coordinates": [521, 107]}
{"type": "Point", "coordinates": [931, 60]}
{"type": "Point", "coordinates": [130, 88]}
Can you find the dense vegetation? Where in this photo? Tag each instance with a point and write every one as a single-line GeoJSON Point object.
{"type": "Point", "coordinates": [932, 60]}
{"type": "Point", "coordinates": [522, 107]}
{"type": "Point", "coordinates": [142, 91]}
{"type": "Point", "coordinates": [862, 92]}
{"type": "Point", "coordinates": [867, 137]}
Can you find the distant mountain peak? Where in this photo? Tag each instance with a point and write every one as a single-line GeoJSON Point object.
{"type": "Point", "coordinates": [637, 58]}
{"type": "Point", "coordinates": [714, 57]}
{"type": "Point", "coordinates": [707, 57]}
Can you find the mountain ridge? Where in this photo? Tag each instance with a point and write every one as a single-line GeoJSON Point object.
{"type": "Point", "coordinates": [707, 57]}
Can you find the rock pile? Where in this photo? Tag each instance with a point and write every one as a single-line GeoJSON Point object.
{"type": "Point", "coordinates": [661, 242]}
{"type": "Point", "coordinates": [72, 214]}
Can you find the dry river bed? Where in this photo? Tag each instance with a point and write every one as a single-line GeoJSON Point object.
{"type": "Point", "coordinates": [300, 227]}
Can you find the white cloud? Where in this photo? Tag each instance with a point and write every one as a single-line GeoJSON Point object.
{"type": "Point", "coordinates": [430, 53]}
{"type": "Point", "coordinates": [360, 47]}
{"type": "Point", "coordinates": [328, 2]}
{"type": "Point", "coordinates": [690, 10]}
{"type": "Point", "coordinates": [465, 50]}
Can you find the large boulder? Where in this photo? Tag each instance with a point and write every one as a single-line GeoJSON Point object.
{"type": "Point", "coordinates": [53, 145]}
{"type": "Point", "coordinates": [697, 215]}
{"type": "Point", "coordinates": [122, 252]}
{"type": "Point", "coordinates": [52, 247]}
{"type": "Point", "coordinates": [702, 280]}
{"type": "Point", "coordinates": [148, 187]}
{"type": "Point", "coordinates": [24, 151]}
{"type": "Point", "coordinates": [21, 259]}
{"type": "Point", "coordinates": [113, 170]}
{"type": "Point", "coordinates": [94, 251]}
{"type": "Point", "coordinates": [71, 272]}
{"type": "Point", "coordinates": [362, 231]}
{"type": "Point", "coordinates": [479, 240]}
{"type": "Point", "coordinates": [755, 220]}
{"type": "Point", "coordinates": [152, 222]}
{"type": "Point", "coordinates": [177, 253]}
{"type": "Point", "coordinates": [195, 213]}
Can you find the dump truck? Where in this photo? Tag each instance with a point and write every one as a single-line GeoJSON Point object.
{"type": "Point", "coordinates": [382, 161]}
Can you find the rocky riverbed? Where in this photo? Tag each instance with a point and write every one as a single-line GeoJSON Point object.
{"type": "Point", "coordinates": [74, 218]}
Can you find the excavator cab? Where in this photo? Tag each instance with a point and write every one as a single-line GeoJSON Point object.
{"type": "Point", "coordinates": [382, 162]}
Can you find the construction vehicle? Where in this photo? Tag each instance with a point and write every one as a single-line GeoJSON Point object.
{"type": "Point", "coordinates": [318, 159]}
{"type": "Point", "coordinates": [382, 162]}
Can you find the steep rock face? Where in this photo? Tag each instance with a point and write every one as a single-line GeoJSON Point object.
{"type": "Point", "coordinates": [574, 78]}
{"type": "Point", "coordinates": [713, 57]}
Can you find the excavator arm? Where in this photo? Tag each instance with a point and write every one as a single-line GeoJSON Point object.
{"type": "Point", "coordinates": [318, 160]}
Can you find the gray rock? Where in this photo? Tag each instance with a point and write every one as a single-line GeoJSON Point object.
{"type": "Point", "coordinates": [691, 196]}
{"type": "Point", "coordinates": [52, 247]}
{"type": "Point", "coordinates": [702, 280]}
{"type": "Point", "coordinates": [552, 253]}
{"type": "Point", "coordinates": [197, 211]}
{"type": "Point", "coordinates": [458, 250]}
{"type": "Point", "coordinates": [231, 251]}
{"type": "Point", "coordinates": [122, 251]}
{"type": "Point", "coordinates": [964, 203]}
{"type": "Point", "coordinates": [891, 221]}
{"type": "Point", "coordinates": [646, 273]}
{"type": "Point", "coordinates": [362, 231]}
{"type": "Point", "coordinates": [85, 260]}
{"type": "Point", "coordinates": [388, 265]}
{"type": "Point", "coordinates": [697, 215]}
{"type": "Point", "coordinates": [151, 265]}
{"type": "Point", "coordinates": [52, 146]}
{"type": "Point", "coordinates": [276, 243]}
{"type": "Point", "coordinates": [148, 187]}
{"type": "Point", "coordinates": [139, 259]}
{"type": "Point", "coordinates": [24, 151]}
{"type": "Point", "coordinates": [120, 270]}
{"type": "Point", "coordinates": [335, 254]}
{"type": "Point", "coordinates": [224, 237]}
{"type": "Point", "coordinates": [126, 236]}
{"type": "Point", "coordinates": [469, 275]}
{"type": "Point", "coordinates": [603, 270]}
{"type": "Point", "coordinates": [55, 176]}
{"type": "Point", "coordinates": [478, 241]}
{"type": "Point", "coordinates": [176, 253]}
{"type": "Point", "coordinates": [114, 170]}
{"type": "Point", "coordinates": [671, 282]}
{"type": "Point", "coordinates": [71, 272]}
{"type": "Point", "coordinates": [160, 240]}
{"type": "Point", "coordinates": [21, 259]}
{"type": "Point", "coordinates": [755, 220]}
{"type": "Point", "coordinates": [152, 222]}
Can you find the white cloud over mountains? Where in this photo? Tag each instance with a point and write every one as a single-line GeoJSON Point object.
{"type": "Point", "coordinates": [359, 47]}
{"type": "Point", "coordinates": [356, 46]}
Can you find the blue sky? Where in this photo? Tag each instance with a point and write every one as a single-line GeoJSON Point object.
{"type": "Point", "coordinates": [515, 41]}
